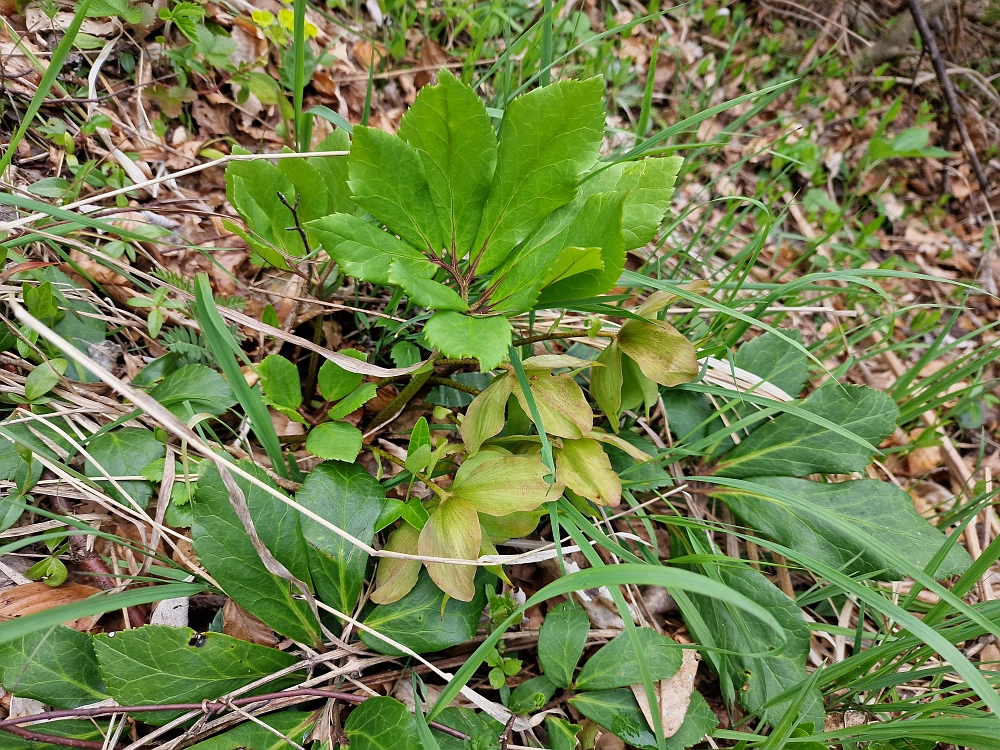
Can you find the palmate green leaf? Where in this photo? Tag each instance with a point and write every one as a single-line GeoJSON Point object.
{"type": "Point", "coordinates": [310, 188]}
{"type": "Point", "coordinates": [158, 664]}
{"type": "Point", "coordinates": [424, 291]}
{"type": "Point", "coordinates": [335, 441]}
{"type": "Point", "coordinates": [775, 360]}
{"type": "Point", "coordinates": [452, 531]}
{"type": "Point", "coordinates": [584, 467]}
{"type": "Point", "coordinates": [760, 679]}
{"type": "Point", "coordinates": [619, 712]}
{"type": "Point", "coordinates": [496, 485]}
{"type": "Point", "coordinates": [226, 551]}
{"type": "Point", "coordinates": [662, 353]}
{"type": "Point", "coordinates": [615, 664]}
{"type": "Point", "coordinates": [364, 251]}
{"type": "Point", "coordinates": [792, 445]}
{"type": "Point", "coordinates": [866, 509]}
{"type": "Point", "coordinates": [294, 725]}
{"type": "Point", "coordinates": [194, 389]}
{"type": "Point", "coordinates": [599, 224]}
{"type": "Point", "coordinates": [334, 172]}
{"type": "Point", "coordinates": [561, 640]}
{"type": "Point", "coordinates": [124, 452]}
{"type": "Point", "coordinates": [648, 185]}
{"type": "Point", "coordinates": [57, 667]}
{"type": "Point", "coordinates": [279, 379]}
{"type": "Point", "coordinates": [382, 723]}
{"type": "Point", "coordinates": [456, 335]}
{"type": "Point", "coordinates": [387, 179]}
{"type": "Point", "coordinates": [549, 137]}
{"type": "Point", "coordinates": [449, 128]}
{"type": "Point", "coordinates": [418, 622]}
{"type": "Point", "coordinates": [350, 498]}
{"type": "Point", "coordinates": [253, 187]}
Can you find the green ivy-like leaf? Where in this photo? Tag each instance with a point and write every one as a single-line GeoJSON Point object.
{"type": "Point", "coordinates": [226, 551]}
{"type": "Point", "coordinates": [418, 621]}
{"type": "Point", "coordinates": [364, 251]}
{"type": "Point", "coordinates": [456, 335]}
{"type": "Point", "coordinates": [795, 446]}
{"type": "Point", "coordinates": [194, 389]}
{"type": "Point", "coordinates": [158, 664]}
{"type": "Point", "coordinates": [616, 665]}
{"type": "Point", "coordinates": [561, 640]}
{"type": "Point", "coordinates": [57, 667]}
{"type": "Point", "coordinates": [870, 509]}
{"type": "Point", "coordinates": [452, 133]}
{"type": "Point", "coordinates": [387, 179]}
{"type": "Point", "coordinates": [354, 400]}
{"type": "Point", "coordinates": [294, 725]}
{"type": "Point", "coordinates": [619, 713]}
{"type": "Point", "coordinates": [549, 137]}
{"type": "Point", "coordinates": [382, 724]}
{"type": "Point", "coordinates": [350, 498]}
{"type": "Point", "coordinates": [124, 452]}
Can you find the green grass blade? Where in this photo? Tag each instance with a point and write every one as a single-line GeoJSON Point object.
{"type": "Point", "coordinates": [51, 73]}
{"type": "Point", "coordinates": [226, 351]}
{"type": "Point", "coordinates": [299, 72]}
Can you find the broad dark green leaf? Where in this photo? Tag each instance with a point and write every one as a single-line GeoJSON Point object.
{"type": "Point", "coordinates": [616, 665]}
{"type": "Point", "coordinates": [225, 549]}
{"type": "Point", "coordinates": [158, 664]}
{"type": "Point", "coordinates": [760, 679]}
{"type": "Point", "coordinates": [795, 446]}
{"type": "Point", "coordinates": [418, 622]}
{"type": "Point", "coordinates": [456, 335]}
{"type": "Point", "coordinates": [619, 713]}
{"type": "Point", "coordinates": [449, 128]}
{"type": "Point", "coordinates": [561, 640]}
{"type": "Point", "coordinates": [364, 251]}
{"type": "Point", "coordinates": [350, 498]}
{"type": "Point", "coordinates": [279, 379]}
{"type": "Point", "coordinates": [871, 511]}
{"type": "Point", "coordinates": [124, 452]}
{"type": "Point", "coordinates": [43, 378]}
{"type": "Point", "coordinates": [194, 389]}
{"type": "Point", "coordinates": [775, 360]}
{"type": "Point", "coordinates": [549, 137]}
{"type": "Point", "coordinates": [55, 666]}
{"type": "Point", "coordinates": [638, 476]}
{"type": "Point", "coordinates": [294, 725]}
{"type": "Point", "coordinates": [692, 417]}
{"type": "Point", "coordinates": [387, 179]}
{"type": "Point", "coordinates": [382, 724]}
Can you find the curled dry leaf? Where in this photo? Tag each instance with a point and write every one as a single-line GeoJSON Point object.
{"type": "Point", "coordinates": [673, 694]}
{"type": "Point", "coordinates": [30, 598]}
{"type": "Point", "coordinates": [239, 623]}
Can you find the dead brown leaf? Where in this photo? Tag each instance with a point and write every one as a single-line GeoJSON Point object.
{"type": "Point", "coordinates": [239, 623]}
{"type": "Point", "coordinates": [431, 54]}
{"type": "Point", "coordinates": [30, 598]}
{"type": "Point", "coordinates": [673, 694]}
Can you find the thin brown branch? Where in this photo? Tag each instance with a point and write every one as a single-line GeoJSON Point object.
{"type": "Point", "coordinates": [949, 93]}
{"type": "Point", "coordinates": [209, 707]}
{"type": "Point", "coordinates": [88, 559]}
{"type": "Point", "coordinates": [52, 739]}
